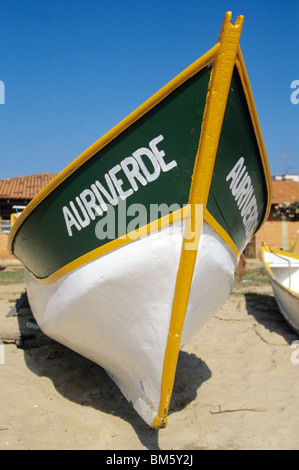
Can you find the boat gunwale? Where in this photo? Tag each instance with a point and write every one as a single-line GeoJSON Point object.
{"type": "Point", "coordinates": [266, 249]}
{"type": "Point", "coordinates": [197, 194]}
{"type": "Point", "coordinates": [240, 64]}
{"type": "Point", "coordinates": [208, 58]}
{"type": "Point", "coordinates": [205, 60]}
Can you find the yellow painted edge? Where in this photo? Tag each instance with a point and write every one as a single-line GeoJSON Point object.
{"type": "Point", "coordinates": [257, 129]}
{"type": "Point", "coordinates": [265, 248]}
{"type": "Point", "coordinates": [189, 72]}
{"type": "Point", "coordinates": [280, 252]}
{"type": "Point", "coordinates": [221, 232]}
{"type": "Point", "coordinates": [152, 227]}
{"type": "Point", "coordinates": [204, 164]}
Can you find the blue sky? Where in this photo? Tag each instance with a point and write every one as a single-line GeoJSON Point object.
{"type": "Point", "coordinates": [73, 69]}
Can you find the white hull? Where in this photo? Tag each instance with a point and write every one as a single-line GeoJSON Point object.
{"type": "Point", "coordinates": [133, 307]}
{"type": "Point", "coordinates": [283, 273]}
{"type": "Point", "coordinates": [116, 309]}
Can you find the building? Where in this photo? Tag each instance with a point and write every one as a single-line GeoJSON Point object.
{"type": "Point", "coordinates": [288, 176]}
{"type": "Point", "coordinates": [279, 232]}
{"type": "Point", "coordinates": [15, 194]}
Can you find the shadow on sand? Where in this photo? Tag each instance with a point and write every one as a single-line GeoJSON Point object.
{"type": "Point", "coordinates": [85, 383]}
{"type": "Point", "coordinates": [266, 312]}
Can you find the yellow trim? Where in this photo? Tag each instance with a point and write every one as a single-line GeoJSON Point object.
{"type": "Point", "coordinates": [256, 125]}
{"type": "Point", "coordinates": [223, 55]}
{"type": "Point", "coordinates": [265, 248]}
{"type": "Point", "coordinates": [279, 252]}
{"type": "Point", "coordinates": [221, 232]}
{"type": "Point", "coordinates": [211, 127]}
{"type": "Point", "coordinates": [189, 72]}
{"type": "Point", "coordinates": [152, 227]}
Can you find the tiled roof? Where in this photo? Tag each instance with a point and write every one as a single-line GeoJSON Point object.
{"type": "Point", "coordinates": [24, 187]}
{"type": "Point", "coordinates": [285, 191]}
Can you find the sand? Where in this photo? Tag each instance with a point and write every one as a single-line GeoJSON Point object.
{"type": "Point", "coordinates": [236, 387]}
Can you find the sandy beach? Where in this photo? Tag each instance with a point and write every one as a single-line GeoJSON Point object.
{"type": "Point", "coordinates": [236, 386]}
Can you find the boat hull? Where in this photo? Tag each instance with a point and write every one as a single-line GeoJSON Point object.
{"type": "Point", "coordinates": [288, 304]}
{"type": "Point", "coordinates": [283, 271]}
{"type": "Point", "coordinates": [185, 182]}
{"type": "Point", "coordinates": [119, 317]}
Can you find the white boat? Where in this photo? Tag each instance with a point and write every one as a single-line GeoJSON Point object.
{"type": "Point", "coordinates": [283, 271]}
{"type": "Point", "coordinates": [126, 285]}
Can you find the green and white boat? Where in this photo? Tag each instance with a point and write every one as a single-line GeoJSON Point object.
{"type": "Point", "coordinates": [133, 247]}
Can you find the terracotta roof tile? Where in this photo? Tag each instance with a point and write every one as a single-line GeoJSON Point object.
{"type": "Point", "coordinates": [27, 187]}
{"type": "Point", "coordinates": [24, 187]}
{"type": "Point", "coordinates": [285, 191]}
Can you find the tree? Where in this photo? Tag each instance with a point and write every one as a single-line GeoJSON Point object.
{"type": "Point", "coordinates": [287, 210]}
